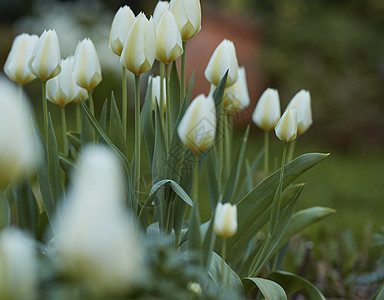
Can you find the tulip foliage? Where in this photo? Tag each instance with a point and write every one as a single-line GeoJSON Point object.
{"type": "Point", "coordinates": [110, 226]}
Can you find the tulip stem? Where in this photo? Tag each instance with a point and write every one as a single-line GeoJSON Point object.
{"type": "Point", "coordinates": [64, 130]}
{"type": "Point", "coordinates": [266, 153]}
{"type": "Point", "coordinates": [124, 105]}
{"type": "Point", "coordinates": [227, 143]}
{"type": "Point", "coordinates": [221, 150]}
{"type": "Point", "coordinates": [45, 109]}
{"type": "Point", "coordinates": [78, 116]}
{"type": "Point", "coordinates": [168, 106]}
{"type": "Point", "coordinates": [195, 190]}
{"type": "Point", "coordinates": [161, 108]}
{"type": "Point", "coordinates": [223, 257]}
{"type": "Point", "coordinates": [291, 151]}
{"type": "Point", "coordinates": [137, 141]}
{"type": "Point", "coordinates": [182, 87]}
{"type": "Point", "coordinates": [20, 93]}
{"type": "Point", "coordinates": [91, 106]}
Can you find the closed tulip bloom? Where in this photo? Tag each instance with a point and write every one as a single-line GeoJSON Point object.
{"type": "Point", "coordinates": [286, 129]}
{"type": "Point", "coordinates": [18, 266]}
{"type": "Point", "coordinates": [236, 97]}
{"type": "Point", "coordinates": [120, 27]}
{"type": "Point", "coordinates": [16, 65]}
{"type": "Point", "coordinates": [225, 224]}
{"type": "Point", "coordinates": [18, 150]}
{"type": "Point", "coordinates": [156, 92]}
{"type": "Point", "coordinates": [45, 59]}
{"type": "Point", "coordinates": [267, 111]}
{"type": "Point", "coordinates": [223, 59]}
{"type": "Point", "coordinates": [302, 102]}
{"type": "Point", "coordinates": [140, 47]}
{"type": "Point", "coordinates": [197, 128]}
{"type": "Point", "coordinates": [161, 7]}
{"type": "Point", "coordinates": [80, 94]}
{"type": "Point", "coordinates": [61, 89]}
{"type": "Point", "coordinates": [188, 17]}
{"type": "Point", "coordinates": [86, 66]}
{"type": "Point", "coordinates": [168, 40]}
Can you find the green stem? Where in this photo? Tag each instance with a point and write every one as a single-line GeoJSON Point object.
{"type": "Point", "coordinates": [20, 93]}
{"type": "Point", "coordinates": [266, 153]}
{"type": "Point", "coordinates": [223, 256]}
{"type": "Point", "coordinates": [64, 130]}
{"type": "Point", "coordinates": [78, 116]}
{"type": "Point", "coordinates": [221, 150]}
{"type": "Point", "coordinates": [168, 217]}
{"type": "Point", "coordinates": [91, 106]}
{"type": "Point", "coordinates": [168, 107]}
{"type": "Point", "coordinates": [182, 83]}
{"type": "Point", "coordinates": [45, 109]}
{"type": "Point", "coordinates": [137, 141]}
{"type": "Point", "coordinates": [291, 151]}
{"type": "Point", "coordinates": [195, 191]}
{"type": "Point", "coordinates": [124, 105]}
{"type": "Point", "coordinates": [227, 146]}
{"type": "Point", "coordinates": [161, 107]}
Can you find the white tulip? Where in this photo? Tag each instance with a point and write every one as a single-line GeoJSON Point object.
{"type": "Point", "coordinates": [286, 129]}
{"type": "Point", "coordinates": [161, 7]}
{"type": "Point", "coordinates": [140, 46]}
{"type": "Point", "coordinates": [18, 267]}
{"type": "Point", "coordinates": [86, 66]}
{"type": "Point", "coordinates": [236, 97]}
{"type": "Point", "coordinates": [168, 40]}
{"type": "Point", "coordinates": [267, 111]}
{"type": "Point", "coordinates": [225, 223]}
{"type": "Point", "coordinates": [156, 92]}
{"type": "Point", "coordinates": [18, 150]}
{"type": "Point", "coordinates": [16, 65]}
{"type": "Point", "coordinates": [223, 59]}
{"type": "Point", "coordinates": [45, 59]}
{"type": "Point", "coordinates": [120, 27]}
{"type": "Point", "coordinates": [96, 238]}
{"type": "Point", "coordinates": [188, 17]}
{"type": "Point", "coordinates": [302, 102]}
{"type": "Point", "coordinates": [197, 128]}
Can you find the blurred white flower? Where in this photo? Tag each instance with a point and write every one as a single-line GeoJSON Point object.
{"type": "Point", "coordinates": [267, 111]}
{"type": "Point", "coordinates": [286, 128]}
{"type": "Point", "coordinates": [225, 224]}
{"type": "Point", "coordinates": [302, 102]}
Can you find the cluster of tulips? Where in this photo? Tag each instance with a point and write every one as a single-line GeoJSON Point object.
{"type": "Point", "coordinates": [95, 236]}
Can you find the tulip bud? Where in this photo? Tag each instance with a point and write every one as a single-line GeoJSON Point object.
{"type": "Point", "coordinates": [86, 67]}
{"type": "Point", "coordinates": [168, 40]}
{"type": "Point", "coordinates": [156, 92]}
{"type": "Point", "coordinates": [140, 47]}
{"type": "Point", "coordinates": [18, 270]}
{"type": "Point", "coordinates": [45, 60]}
{"type": "Point", "coordinates": [302, 102]}
{"type": "Point", "coordinates": [286, 129]}
{"type": "Point", "coordinates": [120, 27]}
{"type": "Point", "coordinates": [225, 220]}
{"type": "Point", "coordinates": [97, 239]}
{"type": "Point", "coordinates": [222, 59]}
{"type": "Point", "coordinates": [161, 7]}
{"type": "Point", "coordinates": [18, 151]}
{"type": "Point", "coordinates": [188, 17]}
{"type": "Point", "coordinates": [16, 65]}
{"type": "Point", "coordinates": [197, 128]}
{"type": "Point", "coordinates": [267, 111]}
{"type": "Point", "coordinates": [195, 288]}
{"type": "Point", "coordinates": [61, 89]}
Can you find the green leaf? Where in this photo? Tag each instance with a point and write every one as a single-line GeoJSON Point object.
{"type": "Point", "coordinates": [270, 290]}
{"type": "Point", "coordinates": [86, 128]}
{"type": "Point", "coordinates": [147, 123]}
{"type": "Point", "coordinates": [292, 283]}
{"type": "Point", "coordinates": [103, 115]}
{"type": "Point", "coordinates": [160, 161]}
{"type": "Point", "coordinates": [208, 243]}
{"type": "Point", "coordinates": [67, 164]}
{"type": "Point", "coordinates": [5, 212]}
{"type": "Point", "coordinates": [250, 171]}
{"type": "Point", "coordinates": [379, 295]}
{"type": "Point", "coordinates": [212, 181]}
{"type": "Point", "coordinates": [74, 140]}
{"type": "Point", "coordinates": [194, 238]}
{"type": "Point", "coordinates": [219, 92]}
{"type": "Point", "coordinates": [116, 131]}
{"type": "Point", "coordinates": [174, 86]}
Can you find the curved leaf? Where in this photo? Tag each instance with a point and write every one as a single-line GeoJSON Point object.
{"type": "Point", "coordinates": [270, 289]}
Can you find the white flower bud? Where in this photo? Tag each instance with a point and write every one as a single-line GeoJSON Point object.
{"type": "Point", "coordinates": [160, 8]}
{"type": "Point", "coordinates": [120, 27]}
{"type": "Point", "coordinates": [156, 92]}
{"type": "Point", "coordinates": [225, 223]}
{"type": "Point", "coordinates": [286, 129]}
{"type": "Point", "coordinates": [267, 111]}
{"type": "Point", "coordinates": [188, 17]}
{"type": "Point", "coordinates": [302, 102]}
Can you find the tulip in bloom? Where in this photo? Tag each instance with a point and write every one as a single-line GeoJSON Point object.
{"type": "Point", "coordinates": [86, 67]}
{"type": "Point", "coordinates": [18, 150]}
{"type": "Point", "coordinates": [16, 65]}
{"type": "Point", "coordinates": [188, 17]}
{"type": "Point", "coordinates": [120, 27]}
{"type": "Point", "coordinates": [156, 92]}
{"type": "Point", "coordinates": [18, 267]}
{"type": "Point", "coordinates": [225, 224]}
{"type": "Point", "coordinates": [223, 59]}
{"type": "Point", "coordinates": [96, 239]}
{"type": "Point", "coordinates": [161, 7]}
{"type": "Point", "coordinates": [286, 129]}
{"type": "Point", "coordinates": [197, 128]}
{"type": "Point", "coordinates": [302, 102]}
{"type": "Point", "coordinates": [168, 40]}
{"type": "Point", "coordinates": [267, 111]}
{"type": "Point", "coordinates": [140, 47]}
{"type": "Point", "coordinates": [45, 59]}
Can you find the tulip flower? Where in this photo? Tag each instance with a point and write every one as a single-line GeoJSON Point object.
{"type": "Point", "coordinates": [96, 239]}
{"type": "Point", "coordinates": [120, 27]}
{"type": "Point", "coordinates": [223, 59]}
{"type": "Point", "coordinates": [302, 102]}
{"type": "Point", "coordinates": [140, 46]}
{"type": "Point", "coordinates": [18, 266]}
{"type": "Point", "coordinates": [267, 111]}
{"type": "Point", "coordinates": [156, 92]}
{"type": "Point", "coordinates": [286, 128]}
{"type": "Point", "coordinates": [86, 66]}
{"type": "Point", "coordinates": [18, 150]}
{"type": "Point", "coordinates": [161, 7]}
{"type": "Point", "coordinates": [197, 128]}
{"type": "Point", "coordinates": [188, 17]}
{"type": "Point", "coordinates": [16, 65]}
{"type": "Point", "coordinates": [225, 223]}
{"type": "Point", "coordinates": [168, 40]}
{"type": "Point", "coordinates": [79, 94]}
{"type": "Point", "coordinates": [45, 59]}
